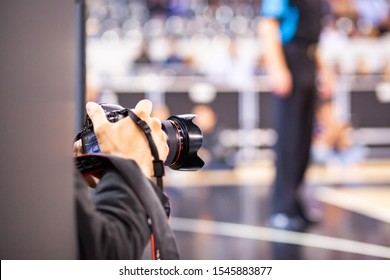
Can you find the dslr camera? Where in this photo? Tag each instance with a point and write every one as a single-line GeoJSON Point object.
{"type": "Point", "coordinates": [184, 138]}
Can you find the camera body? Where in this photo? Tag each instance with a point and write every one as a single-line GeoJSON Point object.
{"type": "Point", "coordinates": [184, 138]}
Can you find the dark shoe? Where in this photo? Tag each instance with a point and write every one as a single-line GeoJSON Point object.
{"type": "Point", "coordinates": [285, 222]}
{"type": "Point", "coordinates": [304, 216]}
{"type": "Point", "coordinates": [310, 222]}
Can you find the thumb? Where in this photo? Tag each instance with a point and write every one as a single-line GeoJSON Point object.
{"type": "Point", "coordinates": [96, 114]}
{"type": "Point", "coordinates": [143, 108]}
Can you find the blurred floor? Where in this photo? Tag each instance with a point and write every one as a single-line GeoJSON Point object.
{"type": "Point", "coordinates": [222, 214]}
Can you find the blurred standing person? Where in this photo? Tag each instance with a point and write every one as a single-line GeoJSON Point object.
{"type": "Point", "coordinates": [289, 32]}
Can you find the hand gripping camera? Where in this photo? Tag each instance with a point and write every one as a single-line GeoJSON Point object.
{"type": "Point", "coordinates": [184, 138]}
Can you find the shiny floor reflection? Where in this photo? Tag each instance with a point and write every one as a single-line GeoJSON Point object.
{"type": "Point", "coordinates": [228, 221]}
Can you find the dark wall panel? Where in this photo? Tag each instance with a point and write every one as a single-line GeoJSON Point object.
{"type": "Point", "coordinates": [37, 125]}
{"type": "Point", "coordinates": [368, 111]}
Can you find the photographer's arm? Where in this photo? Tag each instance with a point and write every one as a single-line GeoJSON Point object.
{"type": "Point", "coordinates": [114, 224]}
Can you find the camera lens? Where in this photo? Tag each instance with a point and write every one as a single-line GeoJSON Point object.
{"type": "Point", "coordinates": [184, 140]}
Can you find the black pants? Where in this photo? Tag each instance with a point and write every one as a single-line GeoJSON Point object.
{"type": "Point", "coordinates": [294, 116]}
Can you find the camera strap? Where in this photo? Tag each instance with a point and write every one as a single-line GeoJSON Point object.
{"type": "Point", "coordinates": [158, 169]}
{"type": "Point", "coordinates": [158, 165]}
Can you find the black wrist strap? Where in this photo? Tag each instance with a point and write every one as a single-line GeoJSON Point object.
{"type": "Point", "coordinates": [158, 169]}
{"type": "Point", "coordinates": [158, 165]}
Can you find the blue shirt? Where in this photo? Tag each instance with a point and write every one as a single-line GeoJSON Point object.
{"type": "Point", "coordinates": [286, 13]}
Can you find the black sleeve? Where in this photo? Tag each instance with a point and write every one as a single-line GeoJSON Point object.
{"type": "Point", "coordinates": [112, 224]}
